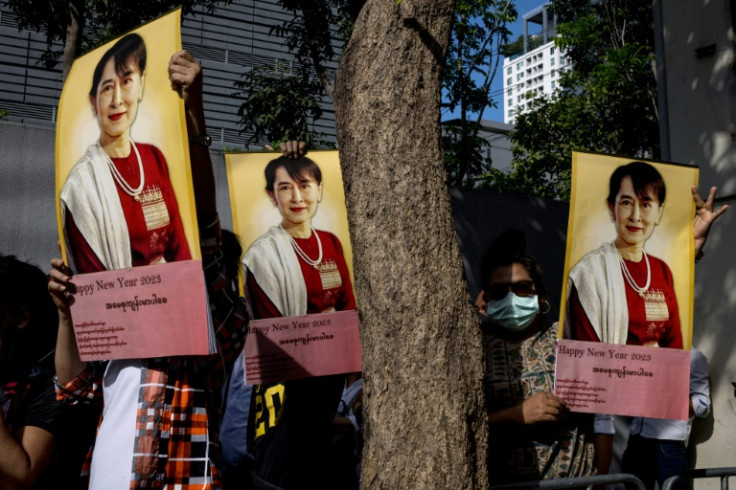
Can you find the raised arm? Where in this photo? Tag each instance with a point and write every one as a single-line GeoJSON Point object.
{"type": "Point", "coordinates": [705, 216]}
{"type": "Point", "coordinates": [185, 74]}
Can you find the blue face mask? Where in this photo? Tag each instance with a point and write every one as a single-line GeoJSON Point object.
{"type": "Point", "coordinates": [514, 312]}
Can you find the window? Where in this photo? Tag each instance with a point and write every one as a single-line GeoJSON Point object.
{"type": "Point", "coordinates": [551, 62]}
{"type": "Point", "coordinates": [518, 76]}
{"type": "Point", "coordinates": [510, 113]}
{"type": "Point", "coordinates": [508, 81]}
{"type": "Point", "coordinates": [511, 102]}
{"type": "Point", "coordinates": [508, 70]}
{"type": "Point", "coordinates": [554, 84]}
{"type": "Point", "coordinates": [552, 50]}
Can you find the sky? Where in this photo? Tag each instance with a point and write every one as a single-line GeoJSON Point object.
{"type": "Point", "coordinates": [517, 28]}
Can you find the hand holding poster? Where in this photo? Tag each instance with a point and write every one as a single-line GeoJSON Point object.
{"type": "Point", "coordinates": [125, 200]}
{"type": "Point", "coordinates": [630, 262]}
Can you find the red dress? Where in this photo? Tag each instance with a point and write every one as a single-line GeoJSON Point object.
{"type": "Point", "coordinates": [154, 224]}
{"type": "Point", "coordinates": [653, 318]}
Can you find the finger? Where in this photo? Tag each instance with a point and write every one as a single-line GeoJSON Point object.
{"type": "Point", "coordinates": [696, 197]}
{"type": "Point", "coordinates": [711, 196]}
{"type": "Point", "coordinates": [302, 148]}
{"type": "Point", "coordinates": [720, 211]}
{"type": "Point", "coordinates": [268, 147]}
{"type": "Point", "coordinates": [288, 147]}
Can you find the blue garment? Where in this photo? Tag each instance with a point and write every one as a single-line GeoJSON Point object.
{"type": "Point", "coordinates": [657, 447]}
{"type": "Point", "coordinates": [234, 427]}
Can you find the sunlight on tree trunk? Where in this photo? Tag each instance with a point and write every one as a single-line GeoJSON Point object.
{"type": "Point", "coordinates": [425, 414]}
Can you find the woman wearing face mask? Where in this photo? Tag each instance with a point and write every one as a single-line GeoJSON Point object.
{"type": "Point", "coordinates": [535, 436]}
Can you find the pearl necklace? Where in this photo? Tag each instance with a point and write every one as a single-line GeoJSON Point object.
{"type": "Point", "coordinates": [127, 188]}
{"type": "Point", "coordinates": [629, 279]}
{"type": "Point", "coordinates": [314, 263]}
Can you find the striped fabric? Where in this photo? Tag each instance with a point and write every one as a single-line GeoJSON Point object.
{"type": "Point", "coordinates": [179, 402]}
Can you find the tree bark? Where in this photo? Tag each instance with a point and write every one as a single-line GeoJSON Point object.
{"type": "Point", "coordinates": [425, 415]}
{"type": "Point", "coordinates": [73, 36]}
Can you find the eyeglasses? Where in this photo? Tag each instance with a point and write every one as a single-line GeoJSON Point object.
{"type": "Point", "coordinates": [520, 288]}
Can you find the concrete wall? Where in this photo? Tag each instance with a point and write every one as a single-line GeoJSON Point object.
{"type": "Point", "coordinates": [699, 83]}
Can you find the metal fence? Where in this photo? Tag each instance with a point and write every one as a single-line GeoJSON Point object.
{"type": "Point", "coordinates": [682, 480]}
{"type": "Point", "coordinates": [581, 482]}
{"type": "Point", "coordinates": [722, 473]}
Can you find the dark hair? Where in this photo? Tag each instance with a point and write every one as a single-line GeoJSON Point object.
{"type": "Point", "coordinates": [645, 178]}
{"type": "Point", "coordinates": [507, 249]}
{"type": "Point", "coordinates": [130, 47]}
{"type": "Point", "coordinates": [24, 288]}
{"type": "Point", "coordinates": [295, 168]}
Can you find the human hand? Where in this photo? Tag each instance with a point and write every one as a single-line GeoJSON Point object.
{"type": "Point", "coordinates": [704, 216]}
{"type": "Point", "coordinates": [291, 149]}
{"type": "Point", "coordinates": [60, 286]}
{"type": "Point", "coordinates": [185, 75]}
{"type": "Point", "coordinates": [543, 407]}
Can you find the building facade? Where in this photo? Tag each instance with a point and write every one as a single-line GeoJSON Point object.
{"type": "Point", "coordinates": [534, 72]}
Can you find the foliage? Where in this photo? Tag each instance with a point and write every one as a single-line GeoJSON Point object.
{"type": "Point", "coordinates": [515, 48]}
{"type": "Point", "coordinates": [280, 101]}
{"type": "Point", "coordinates": [278, 105]}
{"type": "Point", "coordinates": [3, 114]}
{"type": "Point", "coordinates": [607, 102]}
{"type": "Point", "coordinates": [479, 29]}
{"type": "Point", "coordinates": [99, 21]}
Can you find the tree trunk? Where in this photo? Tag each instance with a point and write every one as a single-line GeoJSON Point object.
{"type": "Point", "coordinates": [73, 36]}
{"type": "Point", "coordinates": [425, 415]}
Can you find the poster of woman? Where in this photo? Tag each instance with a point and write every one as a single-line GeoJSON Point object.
{"type": "Point", "coordinates": [628, 288]}
{"type": "Point", "coordinates": [123, 176]}
{"type": "Point", "coordinates": [291, 218]}
{"type": "Point", "coordinates": [125, 202]}
{"type": "Point", "coordinates": [629, 261]}
{"type": "Point", "coordinates": [260, 208]}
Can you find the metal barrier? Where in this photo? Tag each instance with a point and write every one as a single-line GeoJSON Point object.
{"type": "Point", "coordinates": [722, 473]}
{"type": "Point", "coordinates": [581, 482]}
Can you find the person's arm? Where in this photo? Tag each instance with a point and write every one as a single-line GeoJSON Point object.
{"type": "Point", "coordinates": [603, 445]}
{"type": "Point", "coordinates": [23, 457]}
{"type": "Point", "coordinates": [542, 407]}
{"type": "Point", "coordinates": [185, 75]}
{"type": "Point", "coordinates": [262, 306]}
{"type": "Point", "coordinates": [68, 363]}
{"type": "Point", "coordinates": [705, 216]}
{"type": "Point", "coordinates": [604, 429]}
{"type": "Point", "coordinates": [699, 388]}
{"type": "Point", "coordinates": [580, 326]}
{"type": "Point", "coordinates": [83, 257]}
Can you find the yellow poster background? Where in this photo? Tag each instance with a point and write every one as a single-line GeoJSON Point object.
{"type": "Point", "coordinates": [160, 120]}
{"type": "Point", "coordinates": [590, 224]}
{"type": "Point", "coordinates": [254, 214]}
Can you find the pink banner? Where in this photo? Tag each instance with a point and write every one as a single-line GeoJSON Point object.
{"type": "Point", "coordinates": [280, 349]}
{"type": "Point", "coordinates": [150, 311]}
{"type": "Point", "coordinates": [629, 380]}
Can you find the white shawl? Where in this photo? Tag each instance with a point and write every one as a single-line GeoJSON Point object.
{"type": "Point", "coordinates": [90, 195]}
{"type": "Point", "coordinates": [275, 267]}
{"type": "Point", "coordinates": [600, 286]}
